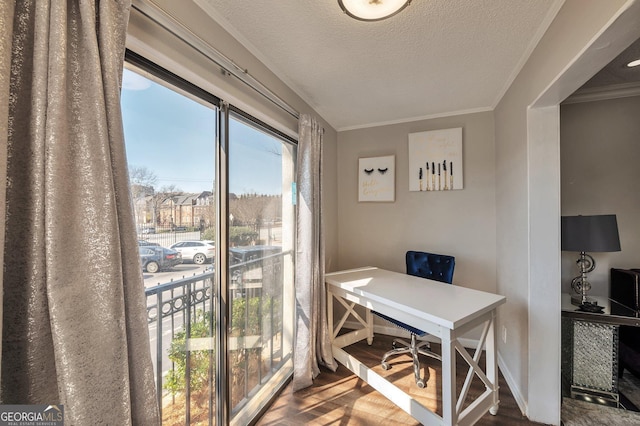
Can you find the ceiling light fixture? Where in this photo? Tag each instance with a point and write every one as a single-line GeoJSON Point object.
{"type": "Point", "coordinates": [372, 10]}
{"type": "Point", "coordinates": [634, 63]}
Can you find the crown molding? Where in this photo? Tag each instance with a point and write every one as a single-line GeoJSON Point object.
{"type": "Point", "coordinates": [604, 93]}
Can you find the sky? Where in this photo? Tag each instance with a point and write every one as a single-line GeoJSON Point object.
{"type": "Point", "coordinates": [173, 136]}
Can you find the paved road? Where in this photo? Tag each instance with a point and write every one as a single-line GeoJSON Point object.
{"type": "Point", "coordinates": [177, 272]}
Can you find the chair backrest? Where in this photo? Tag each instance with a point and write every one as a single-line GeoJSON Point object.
{"type": "Point", "coordinates": [437, 267]}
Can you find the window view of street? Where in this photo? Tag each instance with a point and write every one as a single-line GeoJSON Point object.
{"type": "Point", "coordinates": [170, 142]}
{"type": "Point", "coordinates": [260, 257]}
{"type": "Point", "coordinates": [170, 139]}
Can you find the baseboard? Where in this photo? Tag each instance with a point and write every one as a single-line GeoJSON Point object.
{"type": "Point", "coordinates": [515, 390]}
{"type": "Point", "coordinates": [467, 343]}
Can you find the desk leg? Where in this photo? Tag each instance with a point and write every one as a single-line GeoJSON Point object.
{"type": "Point", "coordinates": [369, 318]}
{"type": "Point", "coordinates": [492, 364]}
{"type": "Point", "coordinates": [449, 413]}
{"type": "Point", "coordinates": [330, 320]}
{"type": "Point", "coordinates": [336, 324]}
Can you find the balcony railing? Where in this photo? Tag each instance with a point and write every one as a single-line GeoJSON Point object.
{"type": "Point", "coordinates": [178, 310]}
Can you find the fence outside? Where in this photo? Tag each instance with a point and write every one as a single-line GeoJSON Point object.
{"type": "Point", "coordinates": [181, 318]}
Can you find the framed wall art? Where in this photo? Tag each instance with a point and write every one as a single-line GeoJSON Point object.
{"type": "Point", "coordinates": [376, 178]}
{"type": "Point", "coordinates": [435, 160]}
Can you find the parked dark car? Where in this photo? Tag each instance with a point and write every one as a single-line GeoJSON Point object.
{"type": "Point", "coordinates": [244, 259]}
{"type": "Point", "coordinates": [247, 253]}
{"type": "Point", "coordinates": [145, 243]}
{"type": "Point", "coordinates": [244, 254]}
{"type": "Point", "coordinates": [155, 258]}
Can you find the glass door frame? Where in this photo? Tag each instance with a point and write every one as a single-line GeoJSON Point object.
{"type": "Point", "coordinates": [223, 378]}
{"type": "Point", "coordinates": [219, 370]}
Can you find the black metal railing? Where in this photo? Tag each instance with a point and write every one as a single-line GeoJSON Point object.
{"type": "Point", "coordinates": [255, 327]}
{"type": "Point", "coordinates": [170, 309]}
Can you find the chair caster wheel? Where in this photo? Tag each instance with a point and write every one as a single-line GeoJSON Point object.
{"type": "Point", "coordinates": [385, 366]}
{"type": "Point", "coordinates": [420, 383]}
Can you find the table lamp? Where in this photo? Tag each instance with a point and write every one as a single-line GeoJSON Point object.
{"type": "Point", "coordinates": [588, 234]}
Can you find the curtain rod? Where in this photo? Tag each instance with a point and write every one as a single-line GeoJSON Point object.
{"type": "Point", "coordinates": [156, 14]}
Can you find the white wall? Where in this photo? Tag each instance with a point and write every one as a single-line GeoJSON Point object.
{"type": "Point", "coordinates": [600, 173]}
{"type": "Point", "coordinates": [460, 223]}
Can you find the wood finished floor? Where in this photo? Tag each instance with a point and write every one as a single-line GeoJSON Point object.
{"type": "Point", "coordinates": [341, 398]}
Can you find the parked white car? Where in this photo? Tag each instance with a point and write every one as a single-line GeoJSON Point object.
{"type": "Point", "coordinates": [198, 251]}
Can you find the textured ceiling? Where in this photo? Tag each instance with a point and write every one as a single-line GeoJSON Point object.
{"type": "Point", "coordinates": [437, 57]}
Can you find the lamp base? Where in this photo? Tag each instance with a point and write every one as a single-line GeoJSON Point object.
{"type": "Point", "coordinates": [594, 308]}
{"type": "Point", "coordinates": [576, 299]}
{"type": "Point", "coordinates": [579, 284]}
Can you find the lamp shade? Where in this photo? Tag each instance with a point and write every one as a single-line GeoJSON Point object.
{"type": "Point", "coordinates": [372, 10]}
{"type": "Point", "coordinates": [590, 233]}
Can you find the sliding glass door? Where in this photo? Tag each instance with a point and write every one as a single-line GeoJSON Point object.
{"type": "Point", "coordinates": [182, 207]}
{"type": "Point", "coordinates": [261, 243]}
{"type": "Point", "coordinates": [170, 138]}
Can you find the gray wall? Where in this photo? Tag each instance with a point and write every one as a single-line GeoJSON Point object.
{"type": "Point", "coordinates": [460, 223]}
{"type": "Point", "coordinates": [600, 173]}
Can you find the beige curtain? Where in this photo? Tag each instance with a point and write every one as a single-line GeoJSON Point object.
{"type": "Point", "coordinates": [6, 29]}
{"type": "Point", "coordinates": [312, 344]}
{"type": "Point", "coordinates": [74, 322]}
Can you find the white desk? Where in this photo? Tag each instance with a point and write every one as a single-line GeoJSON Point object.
{"type": "Point", "coordinates": [444, 311]}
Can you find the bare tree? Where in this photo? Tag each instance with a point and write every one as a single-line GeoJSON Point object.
{"type": "Point", "coordinates": [142, 181]}
{"type": "Point", "coordinates": [142, 176]}
{"type": "Point", "coordinates": [252, 209]}
{"type": "Point", "coordinates": [168, 190]}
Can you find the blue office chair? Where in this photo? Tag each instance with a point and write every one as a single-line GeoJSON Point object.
{"type": "Point", "coordinates": [436, 267]}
